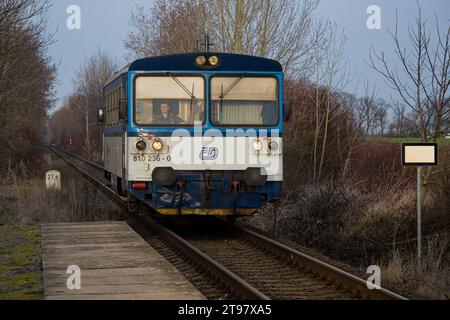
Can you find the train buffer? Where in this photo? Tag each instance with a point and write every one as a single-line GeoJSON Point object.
{"type": "Point", "coordinates": [107, 261]}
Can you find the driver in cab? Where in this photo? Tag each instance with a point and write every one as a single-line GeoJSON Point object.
{"type": "Point", "coordinates": [166, 116]}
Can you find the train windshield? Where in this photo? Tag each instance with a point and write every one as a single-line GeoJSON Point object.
{"type": "Point", "coordinates": [244, 101]}
{"type": "Point", "coordinates": [169, 101]}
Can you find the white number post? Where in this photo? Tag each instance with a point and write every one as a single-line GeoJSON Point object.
{"type": "Point", "coordinates": [419, 155]}
{"type": "Point", "coordinates": [53, 180]}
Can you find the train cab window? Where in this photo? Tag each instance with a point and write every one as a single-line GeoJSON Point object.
{"type": "Point", "coordinates": [241, 101]}
{"type": "Point", "coordinates": [169, 100]}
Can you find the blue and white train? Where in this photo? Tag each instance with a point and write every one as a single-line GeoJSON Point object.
{"type": "Point", "coordinates": [196, 133]}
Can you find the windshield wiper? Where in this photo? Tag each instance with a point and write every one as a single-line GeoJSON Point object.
{"type": "Point", "coordinates": [191, 94]}
{"type": "Point", "coordinates": [192, 98]}
{"type": "Point", "coordinates": [227, 91]}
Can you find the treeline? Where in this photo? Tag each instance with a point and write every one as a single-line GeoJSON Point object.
{"type": "Point", "coordinates": [74, 125]}
{"type": "Point", "coordinates": [26, 79]}
{"type": "Point", "coordinates": [329, 125]}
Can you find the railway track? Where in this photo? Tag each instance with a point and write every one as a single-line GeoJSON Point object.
{"type": "Point", "coordinates": [232, 262]}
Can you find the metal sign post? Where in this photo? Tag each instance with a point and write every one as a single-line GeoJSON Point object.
{"type": "Point", "coordinates": [419, 155]}
{"type": "Point", "coordinates": [419, 213]}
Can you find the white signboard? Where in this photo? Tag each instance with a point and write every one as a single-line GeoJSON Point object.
{"type": "Point", "coordinates": [419, 154]}
{"type": "Point", "coordinates": [53, 180]}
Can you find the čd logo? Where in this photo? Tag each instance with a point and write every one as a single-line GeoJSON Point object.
{"type": "Point", "coordinates": [209, 153]}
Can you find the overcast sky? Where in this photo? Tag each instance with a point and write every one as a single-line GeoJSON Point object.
{"type": "Point", "coordinates": [105, 24]}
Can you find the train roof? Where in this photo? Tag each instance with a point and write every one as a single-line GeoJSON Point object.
{"type": "Point", "coordinates": [186, 62]}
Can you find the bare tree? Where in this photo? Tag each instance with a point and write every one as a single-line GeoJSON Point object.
{"type": "Point", "coordinates": [424, 79]}
{"type": "Point", "coordinates": [330, 77]}
{"type": "Point", "coordinates": [380, 116]}
{"type": "Point", "coordinates": [26, 79]}
{"type": "Point", "coordinates": [365, 107]}
{"type": "Point", "coordinates": [171, 26]}
{"type": "Point", "coordinates": [351, 133]}
{"type": "Point", "coordinates": [438, 65]}
{"type": "Point", "coordinates": [90, 80]}
{"type": "Point", "coordinates": [399, 110]}
{"type": "Point", "coordinates": [284, 30]}
{"type": "Point", "coordinates": [20, 12]}
{"type": "Point", "coordinates": [76, 119]}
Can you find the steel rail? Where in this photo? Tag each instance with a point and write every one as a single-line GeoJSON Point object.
{"type": "Point", "coordinates": [90, 163]}
{"type": "Point", "coordinates": [321, 268]}
{"type": "Point", "coordinates": [239, 285]}
{"type": "Point", "coordinates": [103, 188]}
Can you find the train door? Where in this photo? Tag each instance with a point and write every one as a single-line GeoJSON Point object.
{"type": "Point", "coordinates": [123, 105]}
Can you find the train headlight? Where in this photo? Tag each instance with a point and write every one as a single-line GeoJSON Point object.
{"type": "Point", "coordinates": [141, 145]}
{"type": "Point", "coordinates": [200, 60]}
{"type": "Point", "coordinates": [157, 145]}
{"type": "Point", "coordinates": [213, 60]}
{"type": "Point", "coordinates": [257, 145]}
{"type": "Point", "coordinates": [273, 146]}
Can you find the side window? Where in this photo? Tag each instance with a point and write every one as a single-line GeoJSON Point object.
{"type": "Point", "coordinates": [115, 105]}
{"type": "Point", "coordinates": [112, 106]}
{"type": "Point", "coordinates": [105, 103]}
{"type": "Point", "coordinates": [108, 110]}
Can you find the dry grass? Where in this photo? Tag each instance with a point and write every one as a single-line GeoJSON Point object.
{"type": "Point", "coordinates": [370, 218]}
{"type": "Point", "coordinates": [429, 277]}
{"type": "Point", "coordinates": [365, 229]}
{"type": "Point", "coordinates": [24, 204]}
{"type": "Point", "coordinates": [29, 202]}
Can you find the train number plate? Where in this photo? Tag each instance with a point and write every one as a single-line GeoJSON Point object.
{"type": "Point", "coordinates": [151, 158]}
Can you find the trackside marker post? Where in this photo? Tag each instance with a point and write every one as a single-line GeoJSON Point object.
{"type": "Point", "coordinates": [53, 180]}
{"type": "Point", "coordinates": [419, 155]}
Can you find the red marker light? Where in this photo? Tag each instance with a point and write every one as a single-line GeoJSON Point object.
{"type": "Point", "coordinates": [139, 185]}
{"type": "Point", "coordinates": [141, 145]}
